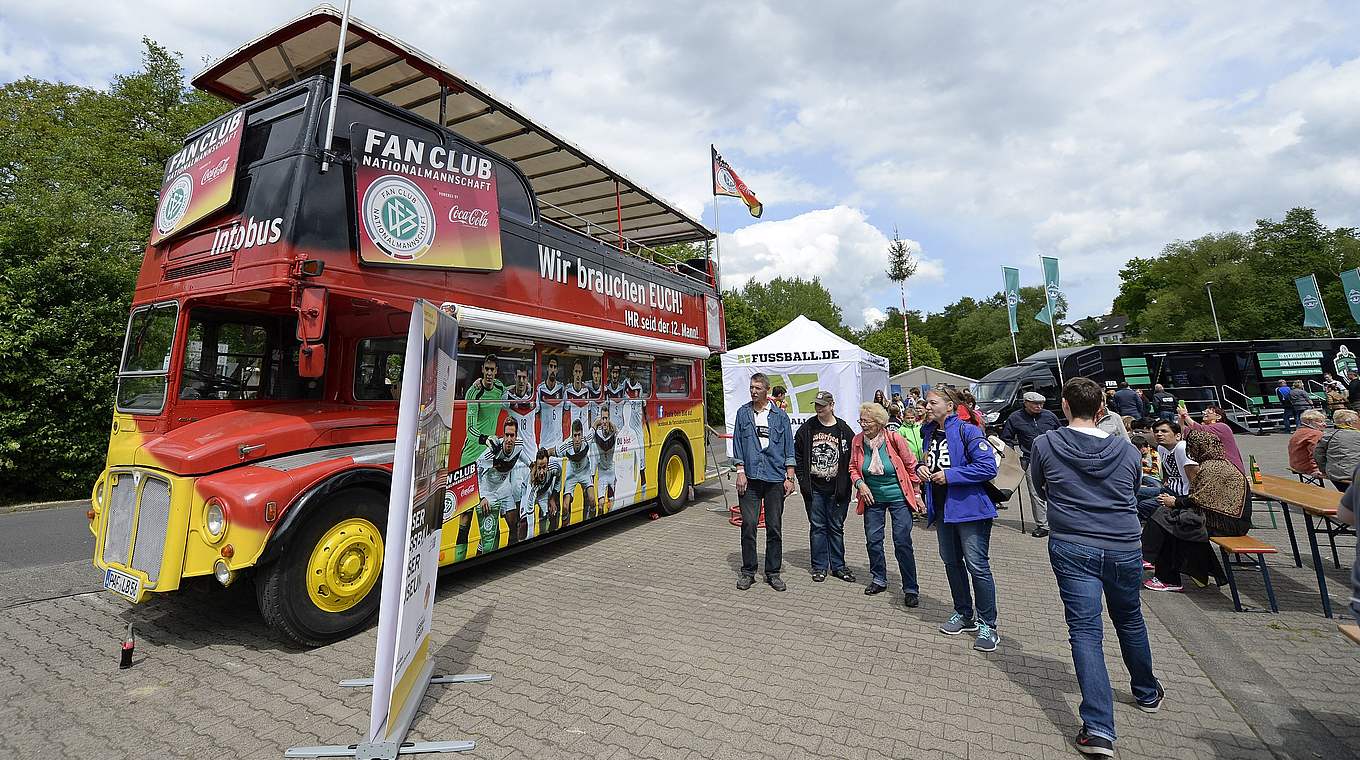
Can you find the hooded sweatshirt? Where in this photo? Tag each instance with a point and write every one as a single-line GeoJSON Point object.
{"type": "Point", "coordinates": [1090, 484]}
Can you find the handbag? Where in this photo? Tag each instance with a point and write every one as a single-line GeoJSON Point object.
{"type": "Point", "coordinates": [1009, 474]}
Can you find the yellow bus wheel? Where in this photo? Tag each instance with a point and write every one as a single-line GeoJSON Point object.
{"type": "Point", "coordinates": [326, 584]}
{"type": "Point", "coordinates": [345, 564]}
{"type": "Point", "coordinates": [675, 478]}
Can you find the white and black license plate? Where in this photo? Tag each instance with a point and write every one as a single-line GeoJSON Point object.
{"type": "Point", "coordinates": [122, 584]}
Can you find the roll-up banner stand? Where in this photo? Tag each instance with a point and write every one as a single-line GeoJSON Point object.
{"type": "Point", "coordinates": [402, 664]}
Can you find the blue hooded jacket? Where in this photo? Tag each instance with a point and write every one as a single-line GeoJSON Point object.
{"type": "Point", "coordinates": [972, 463]}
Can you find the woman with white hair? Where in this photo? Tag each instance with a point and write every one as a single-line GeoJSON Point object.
{"type": "Point", "coordinates": [1338, 451]}
{"type": "Point", "coordinates": [883, 476]}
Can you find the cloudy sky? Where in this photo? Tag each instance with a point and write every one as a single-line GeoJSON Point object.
{"type": "Point", "coordinates": [985, 135]}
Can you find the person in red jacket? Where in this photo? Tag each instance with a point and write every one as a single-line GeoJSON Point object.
{"type": "Point", "coordinates": [883, 473]}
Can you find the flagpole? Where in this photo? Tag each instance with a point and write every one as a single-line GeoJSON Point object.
{"type": "Point", "coordinates": [717, 224]}
{"type": "Point", "coordinates": [1015, 348]}
{"type": "Point", "coordinates": [335, 90]}
{"type": "Point", "coordinates": [1323, 304]}
{"type": "Point", "coordinates": [1052, 308]}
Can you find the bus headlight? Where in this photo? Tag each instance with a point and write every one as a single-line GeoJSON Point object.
{"type": "Point", "coordinates": [215, 519]}
{"type": "Point", "coordinates": [222, 573]}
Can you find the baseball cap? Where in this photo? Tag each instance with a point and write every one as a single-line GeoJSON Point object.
{"type": "Point", "coordinates": [1032, 396]}
{"type": "Point", "coordinates": [823, 398]}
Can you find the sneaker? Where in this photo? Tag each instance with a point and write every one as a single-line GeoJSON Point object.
{"type": "Point", "coordinates": [912, 600]}
{"type": "Point", "coordinates": [1152, 584]}
{"type": "Point", "coordinates": [818, 576]}
{"type": "Point", "coordinates": [1148, 565]}
{"type": "Point", "coordinates": [957, 624]}
{"type": "Point", "coordinates": [744, 582]}
{"type": "Point", "coordinates": [776, 582]}
{"type": "Point", "coordinates": [1090, 744]}
{"type": "Point", "coordinates": [1154, 705]}
{"type": "Point", "coordinates": [987, 638]}
{"type": "Point", "coordinates": [1040, 532]}
{"type": "Point", "coordinates": [844, 574]}
{"type": "Point", "coordinates": [874, 588]}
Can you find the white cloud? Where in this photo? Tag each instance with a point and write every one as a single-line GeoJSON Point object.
{"type": "Point", "coordinates": [873, 316]}
{"type": "Point", "coordinates": [1093, 131]}
{"type": "Point", "coordinates": [836, 245]}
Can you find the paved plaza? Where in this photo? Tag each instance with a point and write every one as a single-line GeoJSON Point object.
{"type": "Point", "coordinates": [633, 642]}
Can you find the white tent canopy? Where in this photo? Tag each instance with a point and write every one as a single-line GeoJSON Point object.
{"type": "Point", "coordinates": [804, 357]}
{"type": "Point", "coordinates": [928, 376]}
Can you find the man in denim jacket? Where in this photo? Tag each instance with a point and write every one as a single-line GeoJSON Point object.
{"type": "Point", "coordinates": [762, 450]}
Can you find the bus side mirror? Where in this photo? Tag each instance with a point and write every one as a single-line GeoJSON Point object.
{"type": "Point", "coordinates": [312, 360]}
{"type": "Point", "coordinates": [311, 315]}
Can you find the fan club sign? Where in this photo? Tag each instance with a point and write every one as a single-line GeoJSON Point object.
{"type": "Point", "coordinates": [423, 204]}
{"type": "Point", "coordinates": [199, 178]}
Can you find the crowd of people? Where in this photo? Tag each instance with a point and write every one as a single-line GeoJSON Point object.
{"type": "Point", "coordinates": [1128, 492]}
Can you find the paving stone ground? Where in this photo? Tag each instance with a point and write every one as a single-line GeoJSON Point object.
{"type": "Point", "coordinates": [633, 642]}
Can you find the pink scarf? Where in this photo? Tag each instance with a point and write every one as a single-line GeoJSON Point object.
{"type": "Point", "coordinates": [875, 457]}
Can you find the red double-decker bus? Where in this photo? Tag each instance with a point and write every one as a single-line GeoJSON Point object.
{"type": "Point", "coordinates": [256, 404]}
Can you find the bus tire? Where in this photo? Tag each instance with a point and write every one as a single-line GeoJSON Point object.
{"type": "Point", "coordinates": [675, 476]}
{"type": "Point", "coordinates": [326, 584]}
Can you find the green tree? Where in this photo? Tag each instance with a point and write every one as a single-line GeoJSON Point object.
{"type": "Point", "coordinates": [885, 339]}
{"type": "Point", "coordinates": [901, 266]}
{"type": "Point", "coordinates": [777, 302]}
{"type": "Point", "coordinates": [79, 169]}
{"type": "Point", "coordinates": [973, 336]}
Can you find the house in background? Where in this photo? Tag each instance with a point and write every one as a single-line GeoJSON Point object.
{"type": "Point", "coordinates": [1112, 328]}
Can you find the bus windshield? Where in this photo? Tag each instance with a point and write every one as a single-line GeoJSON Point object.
{"type": "Point", "coordinates": [237, 356]}
{"type": "Point", "coordinates": [994, 392]}
{"type": "Point", "coordinates": [146, 358]}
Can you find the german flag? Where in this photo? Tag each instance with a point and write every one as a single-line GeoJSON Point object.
{"type": "Point", "coordinates": [726, 182]}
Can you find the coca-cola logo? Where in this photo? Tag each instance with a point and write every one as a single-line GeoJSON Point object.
{"type": "Point", "coordinates": [473, 217]}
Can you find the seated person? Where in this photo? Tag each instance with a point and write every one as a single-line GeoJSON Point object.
{"type": "Point", "coordinates": [1338, 451]}
{"type": "Point", "coordinates": [1149, 485]}
{"type": "Point", "coordinates": [1304, 441]}
{"type": "Point", "coordinates": [1176, 539]}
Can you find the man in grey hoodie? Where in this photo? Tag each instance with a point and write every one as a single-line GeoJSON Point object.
{"type": "Point", "coordinates": [1089, 479]}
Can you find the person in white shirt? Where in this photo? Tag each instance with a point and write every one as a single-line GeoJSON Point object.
{"type": "Point", "coordinates": [521, 401]}
{"type": "Point", "coordinates": [1178, 469]}
{"type": "Point", "coordinates": [578, 397]}
{"type": "Point", "coordinates": [602, 443]}
{"type": "Point", "coordinates": [551, 398]}
{"type": "Point", "coordinates": [500, 479]}
{"type": "Point", "coordinates": [541, 500]}
{"type": "Point", "coordinates": [576, 454]}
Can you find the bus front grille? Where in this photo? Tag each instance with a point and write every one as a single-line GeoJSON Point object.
{"type": "Point", "coordinates": [138, 518]}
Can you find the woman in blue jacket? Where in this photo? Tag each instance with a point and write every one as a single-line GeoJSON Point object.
{"type": "Point", "coordinates": [957, 463]}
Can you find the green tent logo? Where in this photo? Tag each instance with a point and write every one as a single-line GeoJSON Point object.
{"type": "Point", "coordinates": [802, 388]}
{"type": "Point", "coordinates": [399, 218]}
{"type": "Point", "coordinates": [175, 204]}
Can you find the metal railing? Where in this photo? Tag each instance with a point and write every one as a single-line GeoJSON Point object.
{"type": "Point", "coordinates": [1228, 400]}
{"type": "Point", "coordinates": [628, 246]}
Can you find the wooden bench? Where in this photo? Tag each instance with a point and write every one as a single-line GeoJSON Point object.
{"type": "Point", "coordinates": [1350, 631]}
{"type": "Point", "coordinates": [1248, 551]}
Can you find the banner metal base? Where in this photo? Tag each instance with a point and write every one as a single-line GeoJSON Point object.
{"type": "Point", "coordinates": [390, 750]}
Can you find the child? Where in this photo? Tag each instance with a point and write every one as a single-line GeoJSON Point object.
{"type": "Point", "coordinates": [1150, 485]}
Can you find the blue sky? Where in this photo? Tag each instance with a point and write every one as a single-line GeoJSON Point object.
{"type": "Point", "coordinates": [985, 133]}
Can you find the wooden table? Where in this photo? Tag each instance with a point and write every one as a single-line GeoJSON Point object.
{"type": "Point", "coordinates": [1312, 501]}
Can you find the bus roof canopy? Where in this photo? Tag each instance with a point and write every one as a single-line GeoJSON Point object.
{"type": "Point", "coordinates": [573, 188]}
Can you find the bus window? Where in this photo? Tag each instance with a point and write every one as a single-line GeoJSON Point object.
{"type": "Point", "coordinates": [377, 369]}
{"type": "Point", "coordinates": [146, 358]}
{"type": "Point", "coordinates": [673, 379]}
{"type": "Point", "coordinates": [498, 366]}
{"type": "Point", "coordinates": [238, 357]}
{"type": "Point", "coordinates": [514, 199]}
{"type": "Point", "coordinates": [584, 378]}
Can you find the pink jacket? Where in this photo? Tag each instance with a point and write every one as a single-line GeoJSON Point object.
{"type": "Point", "coordinates": [903, 462]}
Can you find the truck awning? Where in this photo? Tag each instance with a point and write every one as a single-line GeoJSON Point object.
{"type": "Point", "coordinates": [573, 188]}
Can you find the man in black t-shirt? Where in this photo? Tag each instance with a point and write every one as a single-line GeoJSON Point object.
{"type": "Point", "coordinates": [822, 450]}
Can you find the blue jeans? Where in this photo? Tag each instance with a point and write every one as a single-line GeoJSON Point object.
{"type": "Point", "coordinates": [875, 518]}
{"type": "Point", "coordinates": [826, 517]}
{"type": "Point", "coordinates": [1291, 419]}
{"type": "Point", "coordinates": [1083, 574]}
{"type": "Point", "coordinates": [963, 547]}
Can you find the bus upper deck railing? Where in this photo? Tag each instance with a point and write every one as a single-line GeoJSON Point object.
{"type": "Point", "coordinates": [631, 247]}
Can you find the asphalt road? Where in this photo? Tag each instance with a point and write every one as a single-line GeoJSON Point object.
{"type": "Point", "coordinates": [45, 537]}
{"type": "Point", "coordinates": [46, 554]}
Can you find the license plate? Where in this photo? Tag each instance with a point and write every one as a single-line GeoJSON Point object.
{"type": "Point", "coordinates": [122, 584]}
